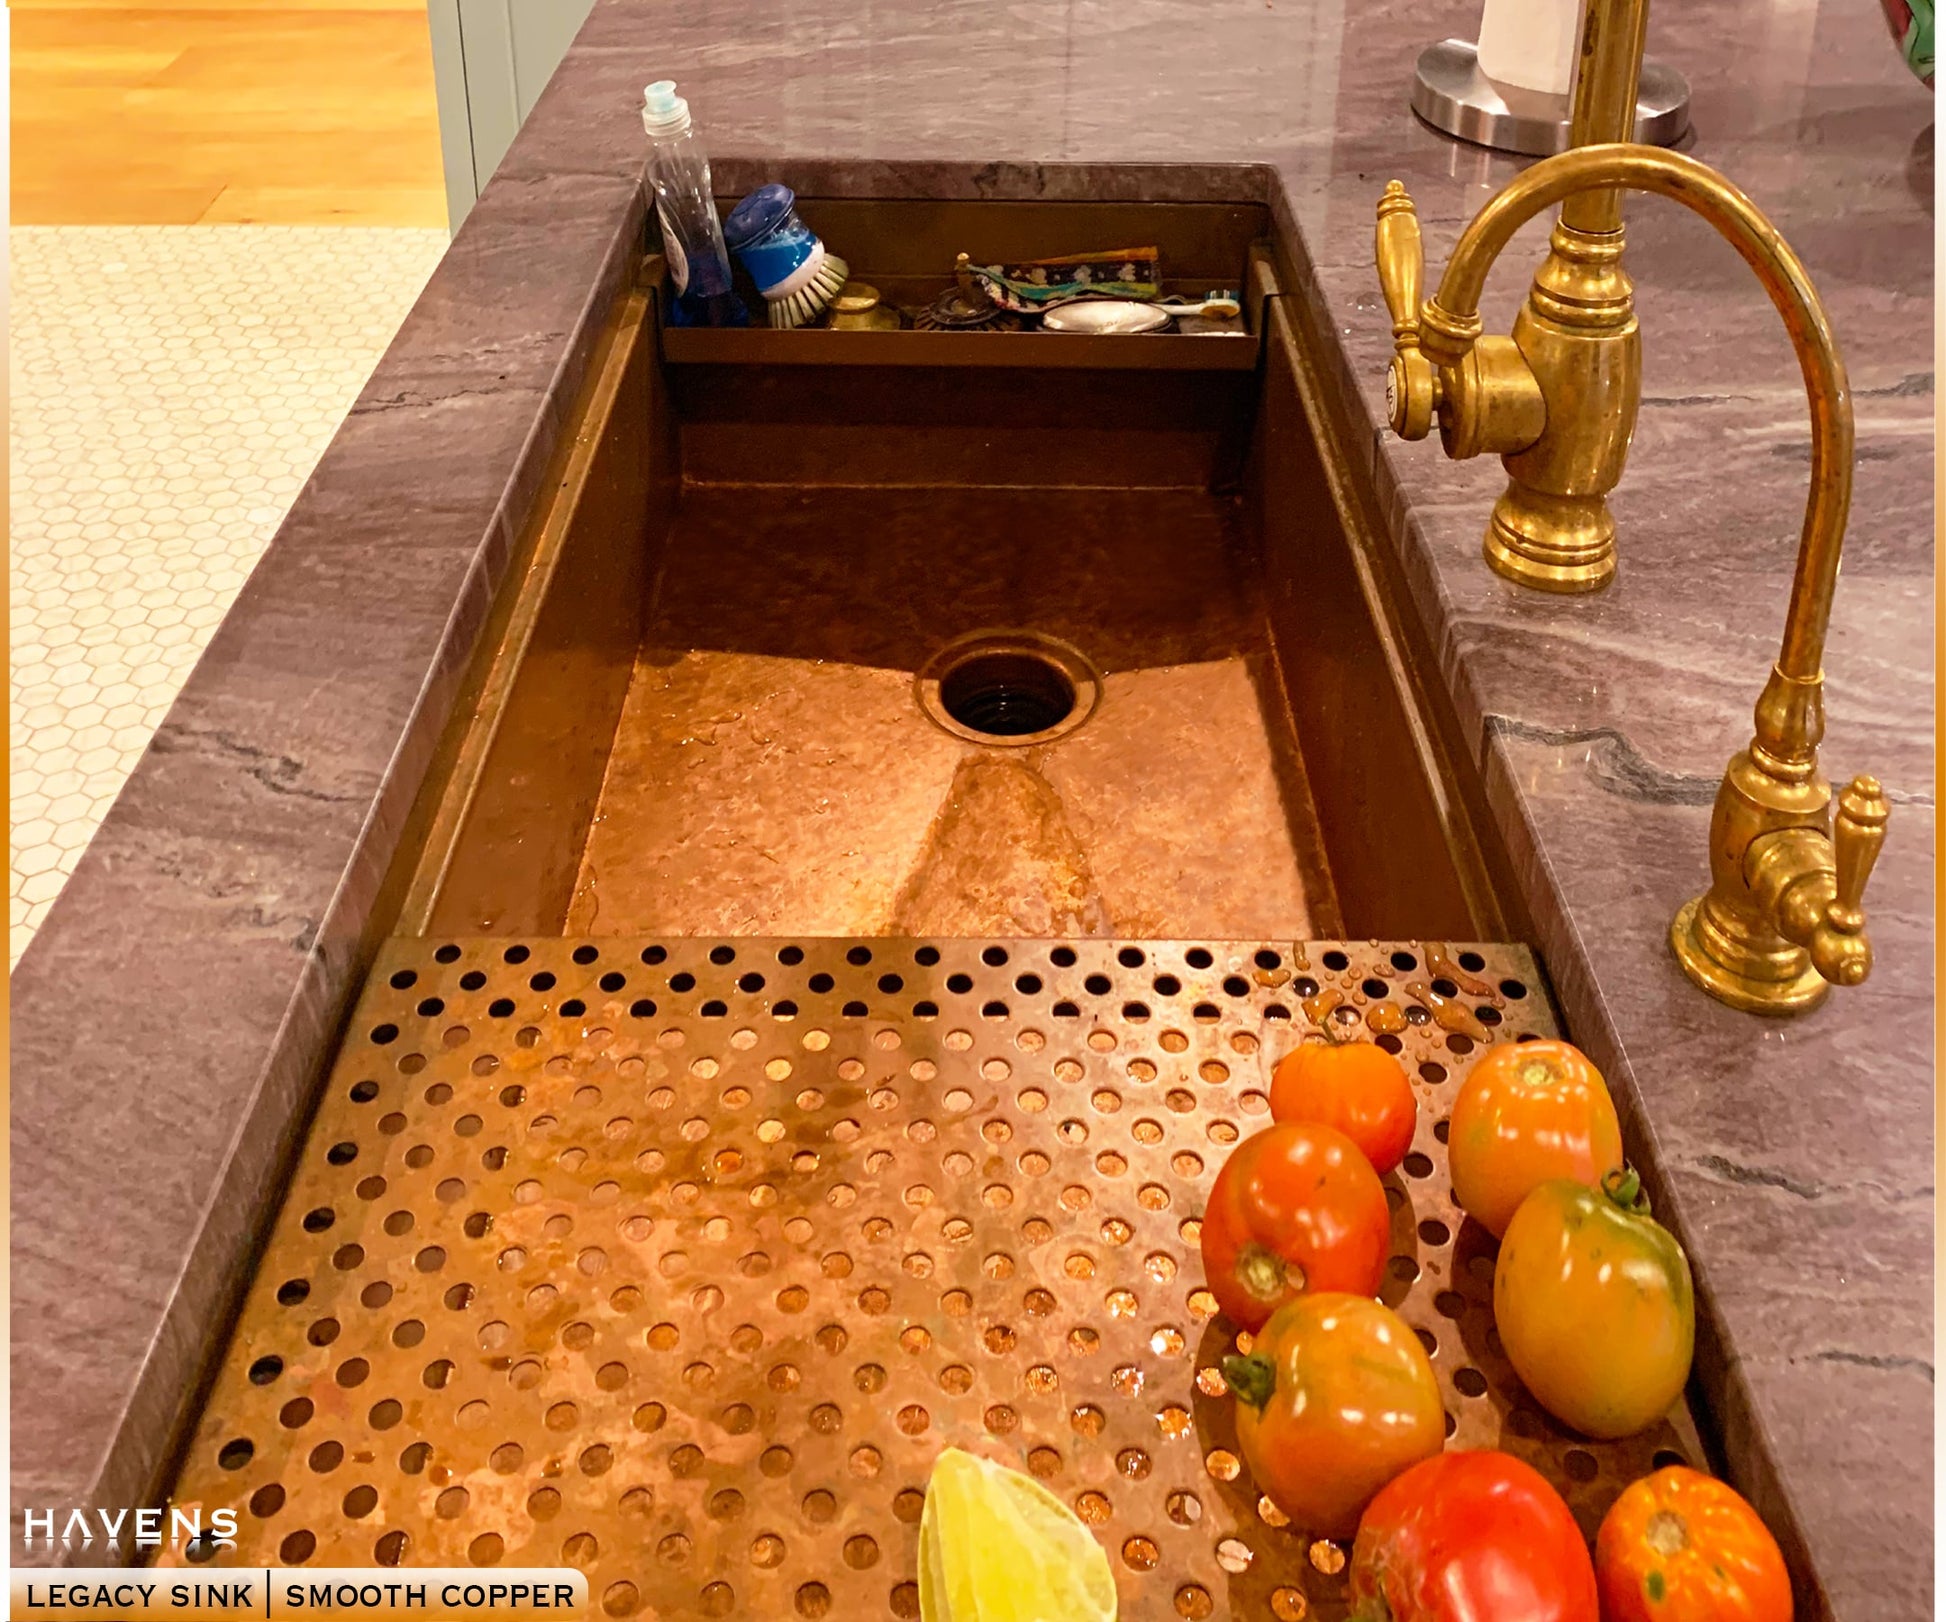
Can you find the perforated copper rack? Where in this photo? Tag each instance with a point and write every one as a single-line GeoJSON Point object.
{"type": "Point", "coordinates": [680, 1260]}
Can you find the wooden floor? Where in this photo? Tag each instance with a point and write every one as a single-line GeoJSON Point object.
{"type": "Point", "coordinates": [127, 112]}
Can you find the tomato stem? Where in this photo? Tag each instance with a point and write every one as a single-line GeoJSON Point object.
{"type": "Point", "coordinates": [1623, 1185]}
{"type": "Point", "coordinates": [1265, 1274]}
{"type": "Point", "coordinates": [1252, 1378]}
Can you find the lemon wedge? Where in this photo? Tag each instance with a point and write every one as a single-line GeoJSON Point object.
{"type": "Point", "coordinates": [997, 1546]}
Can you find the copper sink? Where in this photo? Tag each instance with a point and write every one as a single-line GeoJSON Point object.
{"type": "Point", "coordinates": [707, 710]}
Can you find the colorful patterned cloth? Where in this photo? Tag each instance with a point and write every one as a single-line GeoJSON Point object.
{"type": "Point", "coordinates": [1911, 24]}
{"type": "Point", "coordinates": [1039, 284]}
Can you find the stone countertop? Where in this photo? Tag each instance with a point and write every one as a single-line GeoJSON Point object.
{"type": "Point", "coordinates": [170, 1018]}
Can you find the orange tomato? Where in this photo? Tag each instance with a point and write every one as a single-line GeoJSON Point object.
{"type": "Point", "coordinates": [1336, 1398]}
{"type": "Point", "coordinates": [1296, 1207]}
{"type": "Point", "coordinates": [1594, 1304]}
{"type": "Point", "coordinates": [1356, 1087]}
{"type": "Point", "coordinates": [1529, 1112]}
{"type": "Point", "coordinates": [1678, 1546]}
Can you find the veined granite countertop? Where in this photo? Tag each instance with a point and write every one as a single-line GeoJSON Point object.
{"type": "Point", "coordinates": [170, 1018]}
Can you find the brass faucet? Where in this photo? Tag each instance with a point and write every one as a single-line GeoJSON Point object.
{"type": "Point", "coordinates": [1782, 920]}
{"type": "Point", "coordinates": [1557, 400]}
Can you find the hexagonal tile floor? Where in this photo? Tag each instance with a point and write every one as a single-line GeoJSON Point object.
{"type": "Point", "coordinates": [172, 387]}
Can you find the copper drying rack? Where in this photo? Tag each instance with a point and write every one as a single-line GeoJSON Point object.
{"type": "Point", "coordinates": [680, 1260]}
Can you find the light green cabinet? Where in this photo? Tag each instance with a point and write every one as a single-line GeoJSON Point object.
{"type": "Point", "coordinates": [491, 59]}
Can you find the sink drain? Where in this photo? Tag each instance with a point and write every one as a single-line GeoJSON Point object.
{"type": "Point", "coordinates": [1009, 688]}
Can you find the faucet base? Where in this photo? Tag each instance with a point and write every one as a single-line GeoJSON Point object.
{"type": "Point", "coordinates": [1553, 543]}
{"type": "Point", "coordinates": [1749, 976]}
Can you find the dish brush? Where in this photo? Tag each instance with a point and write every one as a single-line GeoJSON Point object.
{"type": "Point", "coordinates": [796, 273]}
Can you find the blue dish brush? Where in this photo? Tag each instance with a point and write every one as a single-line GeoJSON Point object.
{"type": "Point", "coordinates": [797, 275]}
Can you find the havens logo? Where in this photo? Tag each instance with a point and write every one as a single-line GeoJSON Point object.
{"type": "Point", "coordinates": [129, 1528]}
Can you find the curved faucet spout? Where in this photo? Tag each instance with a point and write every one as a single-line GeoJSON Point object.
{"type": "Point", "coordinates": [1450, 324]}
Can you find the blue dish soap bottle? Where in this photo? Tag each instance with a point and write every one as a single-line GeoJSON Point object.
{"type": "Point", "coordinates": [692, 235]}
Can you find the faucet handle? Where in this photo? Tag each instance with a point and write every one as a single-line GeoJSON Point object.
{"type": "Point", "coordinates": [1858, 835]}
{"type": "Point", "coordinates": [1840, 947]}
{"type": "Point", "coordinates": [1411, 392]}
{"type": "Point", "coordinates": [1401, 261]}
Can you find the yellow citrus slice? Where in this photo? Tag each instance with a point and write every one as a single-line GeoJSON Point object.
{"type": "Point", "coordinates": [997, 1546]}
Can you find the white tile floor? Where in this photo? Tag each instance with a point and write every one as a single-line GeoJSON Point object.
{"type": "Point", "coordinates": [172, 387]}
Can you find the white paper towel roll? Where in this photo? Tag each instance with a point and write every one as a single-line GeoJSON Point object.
{"type": "Point", "coordinates": [1531, 44]}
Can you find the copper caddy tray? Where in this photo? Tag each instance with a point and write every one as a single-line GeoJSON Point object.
{"type": "Point", "coordinates": [680, 1260]}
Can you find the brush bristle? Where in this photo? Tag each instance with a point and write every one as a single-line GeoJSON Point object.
{"type": "Point", "coordinates": [809, 302]}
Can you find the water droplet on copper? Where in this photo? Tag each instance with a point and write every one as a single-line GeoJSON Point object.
{"type": "Point", "coordinates": [1141, 1554]}
{"type": "Point", "coordinates": [1234, 1555]}
{"type": "Point", "coordinates": [1094, 1508]}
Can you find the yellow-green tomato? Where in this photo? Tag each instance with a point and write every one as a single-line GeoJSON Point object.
{"type": "Point", "coordinates": [1593, 1301]}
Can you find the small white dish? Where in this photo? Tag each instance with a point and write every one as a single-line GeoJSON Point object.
{"type": "Point", "coordinates": [1105, 315]}
{"type": "Point", "coordinates": [1129, 315]}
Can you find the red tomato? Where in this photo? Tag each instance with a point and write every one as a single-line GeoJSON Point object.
{"type": "Point", "coordinates": [1678, 1546]}
{"type": "Point", "coordinates": [1296, 1207]}
{"type": "Point", "coordinates": [1471, 1537]}
{"type": "Point", "coordinates": [1355, 1086]}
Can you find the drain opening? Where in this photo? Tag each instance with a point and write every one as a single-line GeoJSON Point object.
{"type": "Point", "coordinates": [1008, 688]}
{"type": "Point", "coordinates": [1007, 695]}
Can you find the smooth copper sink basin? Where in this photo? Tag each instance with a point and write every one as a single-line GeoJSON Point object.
{"type": "Point", "coordinates": [948, 634]}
